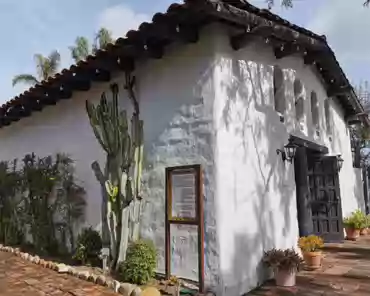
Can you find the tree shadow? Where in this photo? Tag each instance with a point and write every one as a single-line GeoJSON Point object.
{"type": "Point", "coordinates": [266, 186]}
{"type": "Point", "coordinates": [179, 131]}
{"type": "Point", "coordinates": [350, 253]}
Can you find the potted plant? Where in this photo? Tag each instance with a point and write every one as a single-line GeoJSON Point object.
{"type": "Point", "coordinates": [363, 225]}
{"type": "Point", "coordinates": [367, 229]}
{"type": "Point", "coordinates": [310, 246]}
{"type": "Point", "coordinates": [354, 223]}
{"type": "Point", "coordinates": [285, 264]}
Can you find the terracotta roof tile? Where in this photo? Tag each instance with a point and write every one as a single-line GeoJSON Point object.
{"type": "Point", "coordinates": [150, 38]}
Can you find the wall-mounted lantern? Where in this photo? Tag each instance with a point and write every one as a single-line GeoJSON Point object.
{"type": "Point", "coordinates": [340, 161]}
{"type": "Point", "coordinates": [288, 153]}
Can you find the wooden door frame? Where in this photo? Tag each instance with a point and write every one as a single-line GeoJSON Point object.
{"type": "Point", "coordinates": [304, 214]}
{"type": "Point", "coordinates": [304, 211]}
{"type": "Point", "coordinates": [340, 237]}
{"type": "Point", "coordinates": [197, 221]}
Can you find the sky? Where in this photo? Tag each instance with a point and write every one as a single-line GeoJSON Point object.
{"type": "Point", "coordinates": [40, 26]}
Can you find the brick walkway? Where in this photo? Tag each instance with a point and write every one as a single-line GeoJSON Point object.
{"type": "Point", "coordinates": [345, 271]}
{"type": "Point", "coordinates": [19, 277]}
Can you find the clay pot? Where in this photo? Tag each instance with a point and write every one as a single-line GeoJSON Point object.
{"type": "Point", "coordinates": [285, 278]}
{"type": "Point", "coordinates": [312, 259]}
{"type": "Point", "coordinates": [364, 231]}
{"type": "Point", "coordinates": [352, 234]}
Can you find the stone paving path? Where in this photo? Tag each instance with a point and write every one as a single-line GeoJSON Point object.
{"type": "Point", "coordinates": [19, 277]}
{"type": "Point", "coordinates": [345, 271]}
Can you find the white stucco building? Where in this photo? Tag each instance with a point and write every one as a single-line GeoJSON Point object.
{"type": "Point", "coordinates": [227, 99]}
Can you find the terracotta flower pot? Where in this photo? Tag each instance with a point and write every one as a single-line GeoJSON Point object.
{"type": "Point", "coordinates": [313, 259]}
{"type": "Point", "coordinates": [285, 278]}
{"type": "Point", "coordinates": [364, 231]}
{"type": "Point", "coordinates": [352, 234]}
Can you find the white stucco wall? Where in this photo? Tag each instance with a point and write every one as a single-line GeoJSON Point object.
{"type": "Point", "coordinates": [176, 97]}
{"type": "Point", "coordinates": [256, 194]}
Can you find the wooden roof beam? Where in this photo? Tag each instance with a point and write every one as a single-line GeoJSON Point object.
{"type": "Point", "coordinates": [33, 100]}
{"type": "Point", "coordinates": [237, 15]}
{"type": "Point", "coordinates": [310, 59]}
{"type": "Point", "coordinates": [94, 70]}
{"type": "Point", "coordinates": [145, 45]}
{"type": "Point", "coordinates": [334, 91]}
{"type": "Point", "coordinates": [126, 64]}
{"type": "Point", "coordinates": [79, 80]}
{"type": "Point", "coordinates": [287, 49]}
{"type": "Point", "coordinates": [140, 50]}
{"type": "Point", "coordinates": [250, 35]}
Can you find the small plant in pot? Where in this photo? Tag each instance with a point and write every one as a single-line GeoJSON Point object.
{"type": "Point", "coordinates": [285, 264]}
{"type": "Point", "coordinates": [354, 223]}
{"type": "Point", "coordinates": [311, 248]}
{"type": "Point", "coordinates": [367, 228]}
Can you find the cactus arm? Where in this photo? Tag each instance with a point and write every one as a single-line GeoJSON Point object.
{"type": "Point", "coordinates": [91, 111]}
{"type": "Point", "coordinates": [124, 235]}
{"type": "Point", "coordinates": [139, 160]}
{"type": "Point", "coordinates": [124, 179]}
{"type": "Point", "coordinates": [129, 192]}
{"type": "Point", "coordinates": [104, 210]}
{"type": "Point", "coordinates": [103, 121]}
{"type": "Point", "coordinates": [117, 132]}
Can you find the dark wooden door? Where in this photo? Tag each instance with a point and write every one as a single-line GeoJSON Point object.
{"type": "Point", "coordinates": [325, 201]}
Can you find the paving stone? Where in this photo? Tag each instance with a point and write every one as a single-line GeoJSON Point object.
{"type": "Point", "coordinates": [357, 274]}
{"type": "Point", "coordinates": [346, 271]}
{"type": "Point", "coordinates": [62, 268]}
{"type": "Point", "coordinates": [19, 278]}
{"type": "Point", "coordinates": [338, 270]}
{"type": "Point", "coordinates": [126, 289]}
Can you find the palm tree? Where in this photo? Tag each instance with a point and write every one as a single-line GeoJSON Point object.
{"type": "Point", "coordinates": [46, 67]}
{"type": "Point", "coordinates": [102, 39]}
{"type": "Point", "coordinates": [81, 49]}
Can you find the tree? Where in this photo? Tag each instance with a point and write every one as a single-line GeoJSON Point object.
{"type": "Point", "coordinates": [102, 38]}
{"type": "Point", "coordinates": [360, 140]}
{"type": "Point", "coordinates": [46, 67]}
{"type": "Point", "coordinates": [284, 3]}
{"type": "Point", "coordinates": [289, 3]}
{"type": "Point", "coordinates": [81, 49]}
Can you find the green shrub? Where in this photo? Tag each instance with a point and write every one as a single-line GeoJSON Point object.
{"type": "Point", "coordinates": [89, 245]}
{"type": "Point", "coordinates": [357, 220]}
{"type": "Point", "coordinates": [141, 261]}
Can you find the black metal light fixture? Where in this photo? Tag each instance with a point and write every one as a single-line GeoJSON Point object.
{"type": "Point", "coordinates": [288, 153]}
{"type": "Point", "coordinates": [340, 161]}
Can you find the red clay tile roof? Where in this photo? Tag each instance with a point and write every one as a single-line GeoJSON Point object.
{"type": "Point", "coordinates": [181, 22]}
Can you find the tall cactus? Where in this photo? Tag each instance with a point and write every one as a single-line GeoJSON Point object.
{"type": "Point", "coordinates": [123, 145]}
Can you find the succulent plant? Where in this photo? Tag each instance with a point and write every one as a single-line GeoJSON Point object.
{"type": "Point", "coordinates": [123, 144]}
{"type": "Point", "coordinates": [279, 259]}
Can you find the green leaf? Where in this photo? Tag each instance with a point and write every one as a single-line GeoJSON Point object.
{"type": "Point", "coordinates": [24, 78]}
